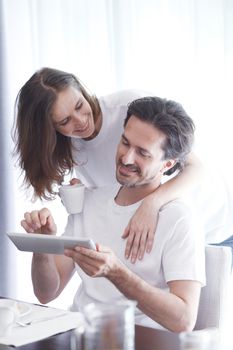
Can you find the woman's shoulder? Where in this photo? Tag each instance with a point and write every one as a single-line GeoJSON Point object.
{"type": "Point", "coordinates": [121, 98]}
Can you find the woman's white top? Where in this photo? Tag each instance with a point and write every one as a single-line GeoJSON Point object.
{"type": "Point", "coordinates": [96, 158]}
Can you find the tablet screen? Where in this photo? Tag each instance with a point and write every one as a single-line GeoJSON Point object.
{"type": "Point", "coordinates": [49, 244]}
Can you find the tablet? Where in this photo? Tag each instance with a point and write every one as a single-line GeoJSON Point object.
{"type": "Point", "coordinates": [49, 244]}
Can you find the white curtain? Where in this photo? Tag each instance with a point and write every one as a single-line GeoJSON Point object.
{"type": "Point", "coordinates": [7, 261]}
{"type": "Point", "coordinates": [177, 49]}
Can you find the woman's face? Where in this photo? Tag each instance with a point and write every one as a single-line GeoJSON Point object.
{"type": "Point", "coordinates": [72, 115]}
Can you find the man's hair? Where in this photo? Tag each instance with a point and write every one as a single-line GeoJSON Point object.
{"type": "Point", "coordinates": [170, 118]}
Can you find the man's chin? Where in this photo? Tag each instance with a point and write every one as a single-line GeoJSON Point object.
{"type": "Point", "coordinates": [125, 182]}
{"type": "Point", "coordinates": [129, 185]}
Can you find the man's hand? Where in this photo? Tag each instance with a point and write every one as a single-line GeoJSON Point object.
{"type": "Point", "coordinates": [39, 221]}
{"type": "Point", "coordinates": [100, 263]}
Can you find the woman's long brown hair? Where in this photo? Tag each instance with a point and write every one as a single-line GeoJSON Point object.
{"type": "Point", "coordinates": [44, 155]}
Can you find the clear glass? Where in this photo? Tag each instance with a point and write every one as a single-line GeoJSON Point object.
{"type": "Point", "coordinates": [77, 339]}
{"type": "Point", "coordinates": [110, 326]}
{"type": "Point", "coordinates": [205, 339]}
{"type": "Point", "coordinates": [196, 340]}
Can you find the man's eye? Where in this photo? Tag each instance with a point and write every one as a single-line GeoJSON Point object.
{"type": "Point", "coordinates": [124, 142]}
{"type": "Point", "coordinates": [144, 154]}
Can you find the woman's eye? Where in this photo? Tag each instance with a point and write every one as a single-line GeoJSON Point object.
{"type": "Point", "coordinates": [79, 106]}
{"type": "Point", "coordinates": [64, 122]}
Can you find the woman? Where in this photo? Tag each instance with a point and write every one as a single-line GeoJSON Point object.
{"type": "Point", "coordinates": [59, 125]}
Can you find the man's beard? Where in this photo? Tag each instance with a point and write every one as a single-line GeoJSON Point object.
{"type": "Point", "coordinates": [132, 183]}
{"type": "Point", "coordinates": [123, 180]}
{"type": "Point", "coordinates": [128, 185]}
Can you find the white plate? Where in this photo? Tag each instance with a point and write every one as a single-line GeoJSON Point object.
{"type": "Point", "coordinates": [21, 309]}
{"type": "Point", "coordinates": [24, 309]}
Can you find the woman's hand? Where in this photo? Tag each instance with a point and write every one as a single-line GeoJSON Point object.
{"type": "Point", "coordinates": [39, 221]}
{"type": "Point", "coordinates": [75, 181]}
{"type": "Point", "coordinates": [141, 230]}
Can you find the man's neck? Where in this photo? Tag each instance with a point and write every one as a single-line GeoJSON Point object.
{"type": "Point", "coordinates": [130, 195]}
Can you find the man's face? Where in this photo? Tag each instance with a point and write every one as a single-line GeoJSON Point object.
{"type": "Point", "coordinates": [139, 158]}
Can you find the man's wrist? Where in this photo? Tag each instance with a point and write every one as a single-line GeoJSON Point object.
{"type": "Point", "coordinates": [123, 279]}
{"type": "Point", "coordinates": [118, 273]}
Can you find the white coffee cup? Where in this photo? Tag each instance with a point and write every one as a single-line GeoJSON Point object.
{"type": "Point", "coordinates": [72, 197]}
{"type": "Point", "coordinates": [7, 319]}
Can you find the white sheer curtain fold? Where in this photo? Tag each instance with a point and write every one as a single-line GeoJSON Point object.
{"type": "Point", "coordinates": [177, 49]}
{"type": "Point", "coordinates": [8, 280]}
{"type": "Point", "coordinates": [75, 36]}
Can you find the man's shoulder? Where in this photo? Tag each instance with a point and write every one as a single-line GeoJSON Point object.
{"type": "Point", "coordinates": [178, 218]}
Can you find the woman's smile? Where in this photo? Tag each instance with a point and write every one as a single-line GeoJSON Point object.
{"type": "Point", "coordinates": [84, 130]}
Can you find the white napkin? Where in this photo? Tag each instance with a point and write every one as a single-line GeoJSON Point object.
{"type": "Point", "coordinates": [58, 321]}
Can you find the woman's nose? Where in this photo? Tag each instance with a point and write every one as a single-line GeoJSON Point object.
{"type": "Point", "coordinates": [79, 119]}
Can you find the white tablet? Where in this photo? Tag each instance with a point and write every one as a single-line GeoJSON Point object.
{"type": "Point", "coordinates": [49, 244]}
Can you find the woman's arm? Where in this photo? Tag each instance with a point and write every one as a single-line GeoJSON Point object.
{"type": "Point", "coordinates": [141, 228]}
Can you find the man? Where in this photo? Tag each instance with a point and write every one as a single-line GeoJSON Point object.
{"type": "Point", "coordinates": [166, 284]}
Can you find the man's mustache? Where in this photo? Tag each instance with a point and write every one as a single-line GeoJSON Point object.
{"type": "Point", "coordinates": [131, 167]}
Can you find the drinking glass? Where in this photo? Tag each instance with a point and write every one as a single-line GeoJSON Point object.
{"type": "Point", "coordinates": [109, 326]}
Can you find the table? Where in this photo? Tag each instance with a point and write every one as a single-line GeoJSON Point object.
{"type": "Point", "coordinates": [145, 339]}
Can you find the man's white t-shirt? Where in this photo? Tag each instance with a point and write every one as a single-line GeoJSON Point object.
{"type": "Point", "coordinates": [177, 253]}
{"type": "Point", "coordinates": [97, 167]}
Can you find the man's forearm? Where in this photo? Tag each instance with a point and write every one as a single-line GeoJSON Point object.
{"type": "Point", "coordinates": [175, 310]}
{"type": "Point", "coordinates": [45, 277]}
{"type": "Point", "coordinates": [167, 309]}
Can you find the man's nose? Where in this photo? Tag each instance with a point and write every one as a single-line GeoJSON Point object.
{"type": "Point", "coordinates": [128, 157]}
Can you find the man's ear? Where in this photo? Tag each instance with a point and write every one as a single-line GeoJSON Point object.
{"type": "Point", "coordinates": [168, 165]}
